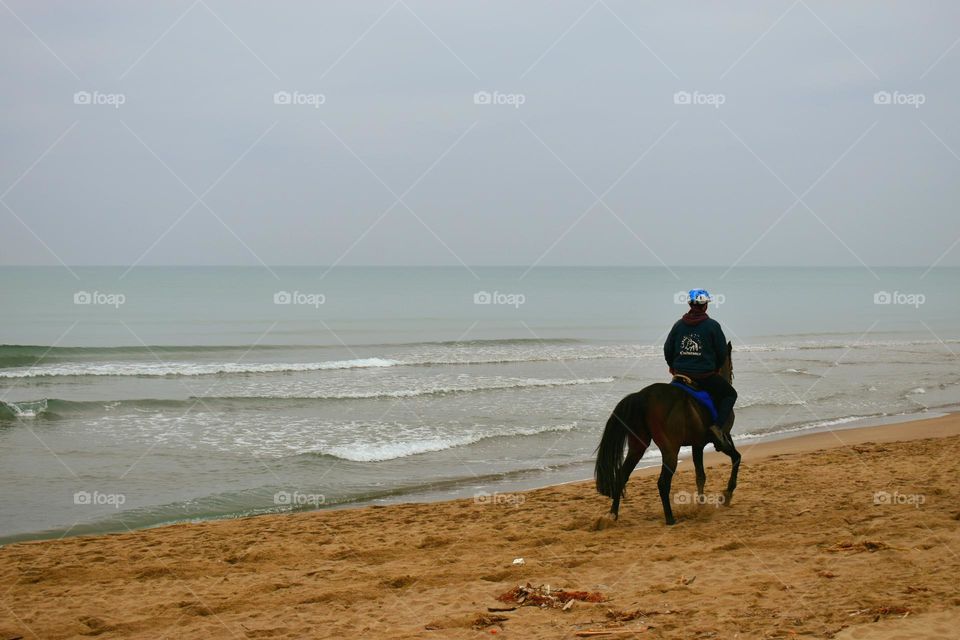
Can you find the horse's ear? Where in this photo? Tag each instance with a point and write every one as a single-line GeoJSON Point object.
{"type": "Point", "coordinates": [729, 348]}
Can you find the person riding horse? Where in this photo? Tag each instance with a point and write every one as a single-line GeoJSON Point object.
{"type": "Point", "coordinates": [696, 348]}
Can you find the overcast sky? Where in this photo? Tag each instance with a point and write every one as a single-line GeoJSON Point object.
{"type": "Point", "coordinates": [588, 158]}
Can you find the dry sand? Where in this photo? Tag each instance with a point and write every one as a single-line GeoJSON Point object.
{"type": "Point", "coordinates": [803, 551]}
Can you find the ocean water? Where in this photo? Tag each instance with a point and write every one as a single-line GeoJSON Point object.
{"type": "Point", "coordinates": [132, 399]}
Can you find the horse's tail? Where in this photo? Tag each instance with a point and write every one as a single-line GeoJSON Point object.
{"type": "Point", "coordinates": [624, 420]}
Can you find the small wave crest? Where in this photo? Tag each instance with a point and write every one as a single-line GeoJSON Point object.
{"type": "Point", "coordinates": [800, 372]}
{"type": "Point", "coordinates": [23, 409]}
{"type": "Point", "coordinates": [808, 426]}
{"type": "Point", "coordinates": [380, 452]}
{"type": "Point", "coordinates": [163, 369]}
{"type": "Point", "coordinates": [500, 385]}
{"type": "Point", "coordinates": [26, 355]}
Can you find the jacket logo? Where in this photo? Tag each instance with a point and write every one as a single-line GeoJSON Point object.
{"type": "Point", "coordinates": [690, 345]}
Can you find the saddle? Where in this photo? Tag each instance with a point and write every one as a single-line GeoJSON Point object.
{"type": "Point", "coordinates": [701, 396]}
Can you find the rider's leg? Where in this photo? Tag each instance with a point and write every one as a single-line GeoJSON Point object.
{"type": "Point", "coordinates": [724, 396]}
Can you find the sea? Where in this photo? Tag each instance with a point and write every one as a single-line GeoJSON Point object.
{"type": "Point", "coordinates": [132, 398]}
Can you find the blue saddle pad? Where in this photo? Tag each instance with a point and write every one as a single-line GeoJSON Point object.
{"type": "Point", "coordinates": [701, 396]}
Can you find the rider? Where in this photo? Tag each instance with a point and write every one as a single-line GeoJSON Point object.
{"type": "Point", "coordinates": [697, 348]}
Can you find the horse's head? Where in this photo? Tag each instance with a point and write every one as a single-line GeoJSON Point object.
{"type": "Point", "coordinates": [726, 371]}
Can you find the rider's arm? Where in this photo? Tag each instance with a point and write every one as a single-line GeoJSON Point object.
{"type": "Point", "coordinates": [720, 346]}
{"type": "Point", "coordinates": [668, 347]}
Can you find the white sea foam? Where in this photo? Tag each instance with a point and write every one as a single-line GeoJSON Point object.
{"type": "Point", "coordinates": [805, 426]}
{"type": "Point", "coordinates": [27, 409]}
{"type": "Point", "coordinates": [190, 368]}
{"type": "Point", "coordinates": [378, 452]}
{"type": "Point", "coordinates": [497, 385]}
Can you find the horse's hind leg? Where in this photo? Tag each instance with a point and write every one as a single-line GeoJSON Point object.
{"type": "Point", "coordinates": [666, 477]}
{"type": "Point", "coordinates": [735, 469]}
{"type": "Point", "coordinates": [637, 449]}
{"type": "Point", "coordinates": [701, 474]}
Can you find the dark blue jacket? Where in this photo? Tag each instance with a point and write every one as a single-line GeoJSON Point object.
{"type": "Point", "coordinates": [695, 349]}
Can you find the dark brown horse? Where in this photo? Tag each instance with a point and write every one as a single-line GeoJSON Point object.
{"type": "Point", "coordinates": [672, 418]}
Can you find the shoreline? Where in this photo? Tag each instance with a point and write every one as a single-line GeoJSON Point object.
{"type": "Point", "coordinates": [797, 552]}
{"type": "Point", "coordinates": [517, 481]}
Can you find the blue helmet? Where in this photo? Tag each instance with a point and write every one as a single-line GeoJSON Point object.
{"type": "Point", "coordinates": [699, 296]}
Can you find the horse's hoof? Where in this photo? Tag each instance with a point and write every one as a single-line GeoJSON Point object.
{"type": "Point", "coordinates": [727, 498]}
{"type": "Point", "coordinates": [671, 522]}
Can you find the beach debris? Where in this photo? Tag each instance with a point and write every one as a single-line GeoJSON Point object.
{"type": "Point", "coordinates": [500, 609]}
{"type": "Point", "coordinates": [859, 547]}
{"type": "Point", "coordinates": [483, 621]}
{"type": "Point", "coordinates": [912, 589]}
{"type": "Point", "coordinates": [823, 573]}
{"type": "Point", "coordinates": [547, 598]}
{"type": "Point", "coordinates": [628, 616]}
{"type": "Point", "coordinates": [879, 612]}
{"type": "Point", "coordinates": [519, 562]}
{"type": "Point", "coordinates": [596, 633]}
{"type": "Point", "coordinates": [625, 616]}
{"type": "Point", "coordinates": [685, 580]}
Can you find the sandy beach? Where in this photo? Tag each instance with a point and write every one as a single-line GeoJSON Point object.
{"type": "Point", "coordinates": [849, 534]}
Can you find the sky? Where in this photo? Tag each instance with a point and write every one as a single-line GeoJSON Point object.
{"type": "Point", "coordinates": [526, 133]}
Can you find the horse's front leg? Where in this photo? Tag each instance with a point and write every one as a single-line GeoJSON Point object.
{"type": "Point", "coordinates": [701, 474]}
